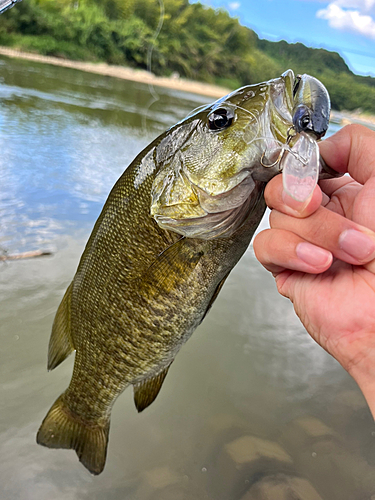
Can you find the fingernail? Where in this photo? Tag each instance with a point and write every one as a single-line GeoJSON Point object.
{"type": "Point", "coordinates": [313, 255]}
{"type": "Point", "coordinates": [357, 244]}
{"type": "Point", "coordinates": [296, 206]}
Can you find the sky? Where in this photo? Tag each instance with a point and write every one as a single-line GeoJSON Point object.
{"type": "Point", "coordinates": [344, 26]}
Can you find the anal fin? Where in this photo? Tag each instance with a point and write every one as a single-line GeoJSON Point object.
{"type": "Point", "coordinates": [61, 343]}
{"type": "Point", "coordinates": [146, 391]}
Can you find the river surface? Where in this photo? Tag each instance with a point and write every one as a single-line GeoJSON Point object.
{"type": "Point", "coordinates": [250, 405]}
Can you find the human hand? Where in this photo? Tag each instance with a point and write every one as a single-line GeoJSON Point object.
{"type": "Point", "coordinates": [322, 254]}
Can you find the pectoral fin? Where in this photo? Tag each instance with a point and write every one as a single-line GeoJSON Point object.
{"type": "Point", "coordinates": [174, 265]}
{"type": "Point", "coordinates": [214, 297]}
{"type": "Point", "coordinates": [61, 342]}
{"type": "Point", "coordinates": [146, 391]}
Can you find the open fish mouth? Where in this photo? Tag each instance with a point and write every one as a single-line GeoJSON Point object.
{"type": "Point", "coordinates": [139, 292]}
{"type": "Point", "coordinates": [236, 146]}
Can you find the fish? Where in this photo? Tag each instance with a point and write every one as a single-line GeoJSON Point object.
{"type": "Point", "coordinates": [173, 227]}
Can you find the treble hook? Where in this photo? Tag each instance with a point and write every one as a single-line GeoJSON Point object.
{"type": "Point", "coordinates": [290, 134]}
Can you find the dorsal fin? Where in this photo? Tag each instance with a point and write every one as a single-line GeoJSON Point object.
{"type": "Point", "coordinates": [146, 391]}
{"type": "Point", "coordinates": [61, 342]}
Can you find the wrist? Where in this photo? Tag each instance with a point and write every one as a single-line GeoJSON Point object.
{"type": "Point", "coordinates": [355, 351]}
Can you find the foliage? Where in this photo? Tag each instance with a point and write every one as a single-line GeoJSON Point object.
{"type": "Point", "coordinates": [195, 41]}
{"type": "Point", "coordinates": [303, 59]}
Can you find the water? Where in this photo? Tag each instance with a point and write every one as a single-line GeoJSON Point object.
{"type": "Point", "coordinates": [249, 401]}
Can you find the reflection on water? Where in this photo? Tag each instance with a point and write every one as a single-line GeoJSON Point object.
{"type": "Point", "coordinates": [66, 136]}
{"type": "Point", "coordinates": [251, 404]}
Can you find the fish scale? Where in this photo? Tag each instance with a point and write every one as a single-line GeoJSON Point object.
{"type": "Point", "coordinates": [142, 286]}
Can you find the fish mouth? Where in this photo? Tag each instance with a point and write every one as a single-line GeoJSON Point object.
{"type": "Point", "coordinates": [215, 207]}
{"type": "Point", "coordinates": [181, 196]}
{"type": "Point", "coordinates": [209, 205]}
{"type": "Point", "coordinates": [305, 106]}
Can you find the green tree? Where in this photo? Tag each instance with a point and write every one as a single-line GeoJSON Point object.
{"type": "Point", "coordinates": [196, 41]}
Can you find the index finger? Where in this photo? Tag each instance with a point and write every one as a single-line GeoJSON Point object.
{"type": "Point", "coordinates": [351, 149]}
{"type": "Point", "coordinates": [277, 198]}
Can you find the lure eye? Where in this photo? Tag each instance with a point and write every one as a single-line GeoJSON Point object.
{"type": "Point", "coordinates": [302, 120]}
{"type": "Point", "coordinates": [220, 119]}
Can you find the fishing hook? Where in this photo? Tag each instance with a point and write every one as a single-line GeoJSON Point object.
{"type": "Point", "coordinates": [291, 134]}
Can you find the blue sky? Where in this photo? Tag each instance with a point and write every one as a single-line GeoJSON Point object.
{"type": "Point", "coordinates": [345, 26]}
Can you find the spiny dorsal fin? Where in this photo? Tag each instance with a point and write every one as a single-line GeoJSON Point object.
{"type": "Point", "coordinates": [61, 343]}
{"type": "Point", "coordinates": [146, 391]}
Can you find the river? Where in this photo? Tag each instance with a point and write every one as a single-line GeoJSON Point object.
{"type": "Point", "coordinates": [250, 405]}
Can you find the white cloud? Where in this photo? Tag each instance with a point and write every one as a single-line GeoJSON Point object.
{"type": "Point", "coordinates": [351, 15]}
{"type": "Point", "coordinates": [234, 5]}
{"type": "Point", "coordinates": [363, 6]}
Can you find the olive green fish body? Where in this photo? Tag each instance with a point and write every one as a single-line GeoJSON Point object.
{"type": "Point", "coordinates": [149, 289]}
{"type": "Point", "coordinates": [174, 226]}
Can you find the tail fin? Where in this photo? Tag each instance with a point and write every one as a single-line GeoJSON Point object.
{"type": "Point", "coordinates": [63, 429]}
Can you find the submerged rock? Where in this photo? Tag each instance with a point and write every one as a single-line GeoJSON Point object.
{"type": "Point", "coordinates": [282, 487]}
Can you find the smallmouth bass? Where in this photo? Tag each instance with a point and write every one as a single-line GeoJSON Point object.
{"type": "Point", "coordinates": [173, 227]}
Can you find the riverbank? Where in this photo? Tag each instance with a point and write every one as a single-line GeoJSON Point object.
{"type": "Point", "coordinates": [347, 117]}
{"type": "Point", "coordinates": [123, 72]}
{"type": "Point", "coordinates": [141, 76]}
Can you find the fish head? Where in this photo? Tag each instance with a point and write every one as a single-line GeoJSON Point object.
{"type": "Point", "coordinates": [213, 165]}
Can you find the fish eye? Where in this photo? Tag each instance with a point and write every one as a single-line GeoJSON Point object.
{"type": "Point", "coordinates": [220, 119]}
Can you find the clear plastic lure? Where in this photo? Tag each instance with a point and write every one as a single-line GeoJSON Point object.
{"type": "Point", "coordinates": [300, 167]}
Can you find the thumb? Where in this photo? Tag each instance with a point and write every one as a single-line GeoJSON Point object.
{"type": "Point", "coordinates": [352, 150]}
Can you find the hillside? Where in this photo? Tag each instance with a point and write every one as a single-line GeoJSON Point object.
{"type": "Point", "coordinates": [195, 41]}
